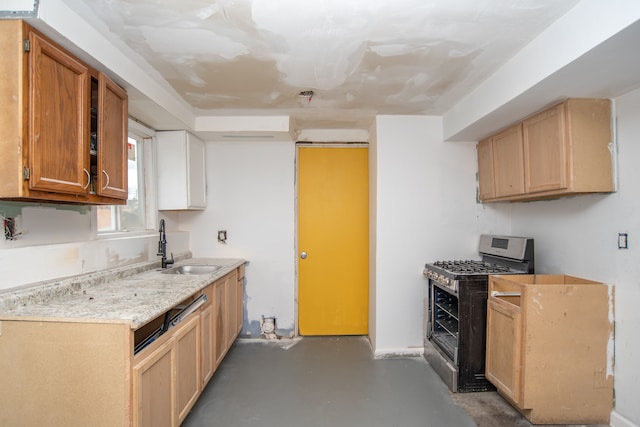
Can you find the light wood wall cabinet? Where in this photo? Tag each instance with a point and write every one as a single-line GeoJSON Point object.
{"type": "Point", "coordinates": [501, 161]}
{"type": "Point", "coordinates": [182, 178]}
{"type": "Point", "coordinates": [84, 373]}
{"type": "Point", "coordinates": [549, 347]}
{"type": "Point", "coordinates": [63, 125]}
{"type": "Point", "coordinates": [564, 150]}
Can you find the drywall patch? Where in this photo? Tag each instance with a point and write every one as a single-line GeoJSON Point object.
{"type": "Point", "coordinates": [15, 208]}
{"type": "Point", "coordinates": [192, 41]}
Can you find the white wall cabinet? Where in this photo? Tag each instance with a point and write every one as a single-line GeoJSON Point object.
{"type": "Point", "coordinates": [181, 171]}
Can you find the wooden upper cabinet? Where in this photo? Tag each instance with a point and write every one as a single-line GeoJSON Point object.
{"type": "Point", "coordinates": [58, 96]}
{"type": "Point", "coordinates": [545, 145]}
{"type": "Point", "coordinates": [486, 190]}
{"type": "Point", "coordinates": [508, 169]}
{"type": "Point", "coordinates": [112, 138]}
{"type": "Point", "coordinates": [50, 116]}
{"type": "Point", "coordinates": [563, 150]}
{"type": "Point", "coordinates": [500, 165]}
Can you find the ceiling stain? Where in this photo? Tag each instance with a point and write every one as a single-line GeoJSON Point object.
{"type": "Point", "coordinates": [359, 57]}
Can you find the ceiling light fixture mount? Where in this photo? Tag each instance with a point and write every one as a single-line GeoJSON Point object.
{"type": "Point", "coordinates": [308, 94]}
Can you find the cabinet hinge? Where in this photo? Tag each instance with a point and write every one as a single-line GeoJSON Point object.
{"type": "Point", "coordinates": [26, 173]}
{"type": "Point", "coordinates": [27, 45]}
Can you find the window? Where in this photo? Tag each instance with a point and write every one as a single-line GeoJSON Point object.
{"type": "Point", "coordinates": [132, 216]}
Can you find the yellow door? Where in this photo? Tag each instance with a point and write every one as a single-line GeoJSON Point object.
{"type": "Point", "coordinates": [333, 241]}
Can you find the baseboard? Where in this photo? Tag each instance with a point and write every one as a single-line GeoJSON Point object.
{"type": "Point", "coordinates": [618, 420]}
{"type": "Point", "coordinates": [390, 353]}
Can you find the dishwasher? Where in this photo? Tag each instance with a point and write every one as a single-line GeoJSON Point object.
{"type": "Point", "coordinates": [171, 319]}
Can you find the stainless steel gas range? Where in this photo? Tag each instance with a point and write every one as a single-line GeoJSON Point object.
{"type": "Point", "coordinates": [456, 310]}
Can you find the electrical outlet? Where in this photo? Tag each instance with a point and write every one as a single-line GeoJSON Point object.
{"type": "Point", "coordinates": [10, 228]}
{"type": "Point", "coordinates": [623, 241]}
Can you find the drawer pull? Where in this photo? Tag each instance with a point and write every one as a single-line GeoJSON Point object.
{"type": "Point", "coordinates": [505, 294]}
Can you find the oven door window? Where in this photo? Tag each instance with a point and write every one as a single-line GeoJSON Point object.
{"type": "Point", "coordinates": [444, 321]}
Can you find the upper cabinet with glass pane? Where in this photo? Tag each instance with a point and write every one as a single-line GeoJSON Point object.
{"type": "Point", "coordinates": [181, 171]}
{"type": "Point", "coordinates": [63, 125]}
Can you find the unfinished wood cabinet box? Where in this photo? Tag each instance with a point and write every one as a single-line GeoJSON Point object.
{"type": "Point", "coordinates": [563, 150]}
{"type": "Point", "coordinates": [550, 347]}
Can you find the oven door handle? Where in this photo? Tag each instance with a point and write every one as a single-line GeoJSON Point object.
{"type": "Point", "coordinates": [505, 294]}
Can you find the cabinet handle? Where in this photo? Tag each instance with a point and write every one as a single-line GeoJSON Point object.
{"type": "Point", "coordinates": [107, 175]}
{"type": "Point", "coordinates": [88, 178]}
{"type": "Point", "coordinates": [505, 294]}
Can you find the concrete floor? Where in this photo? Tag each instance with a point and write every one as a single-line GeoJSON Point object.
{"type": "Point", "coordinates": [335, 382]}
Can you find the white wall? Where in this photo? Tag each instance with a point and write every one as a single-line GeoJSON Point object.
{"type": "Point", "coordinates": [425, 209]}
{"type": "Point", "coordinates": [60, 241]}
{"type": "Point", "coordinates": [250, 193]}
{"type": "Point", "coordinates": [578, 236]}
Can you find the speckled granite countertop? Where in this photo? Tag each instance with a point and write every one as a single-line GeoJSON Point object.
{"type": "Point", "coordinates": [133, 295]}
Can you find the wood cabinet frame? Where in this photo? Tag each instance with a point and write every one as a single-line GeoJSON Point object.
{"type": "Point", "coordinates": [563, 150]}
{"type": "Point", "coordinates": [46, 119]}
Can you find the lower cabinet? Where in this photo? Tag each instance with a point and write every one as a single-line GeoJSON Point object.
{"type": "Point", "coordinates": [550, 347]}
{"type": "Point", "coordinates": [206, 328]}
{"type": "Point", "coordinates": [503, 360]}
{"type": "Point", "coordinates": [168, 380]}
{"type": "Point", "coordinates": [83, 373]}
{"type": "Point", "coordinates": [231, 308]}
{"type": "Point", "coordinates": [153, 388]}
{"type": "Point", "coordinates": [187, 367]}
{"type": "Point", "coordinates": [220, 320]}
{"type": "Point", "coordinates": [240, 299]}
{"type": "Point", "coordinates": [166, 383]}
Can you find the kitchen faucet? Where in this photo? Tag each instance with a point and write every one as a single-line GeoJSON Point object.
{"type": "Point", "coordinates": [162, 246]}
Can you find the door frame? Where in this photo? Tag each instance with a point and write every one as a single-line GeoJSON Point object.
{"type": "Point", "coordinates": [296, 234]}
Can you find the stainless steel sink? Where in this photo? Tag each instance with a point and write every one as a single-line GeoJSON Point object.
{"type": "Point", "coordinates": [192, 269]}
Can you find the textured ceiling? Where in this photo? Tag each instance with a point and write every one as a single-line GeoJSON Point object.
{"type": "Point", "coordinates": [359, 57]}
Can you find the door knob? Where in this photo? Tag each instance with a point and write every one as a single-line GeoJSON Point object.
{"type": "Point", "coordinates": [303, 255]}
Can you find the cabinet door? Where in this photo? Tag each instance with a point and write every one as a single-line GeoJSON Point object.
{"type": "Point", "coordinates": [545, 151]}
{"type": "Point", "coordinates": [503, 351]}
{"type": "Point", "coordinates": [59, 88]}
{"type": "Point", "coordinates": [508, 162]}
{"type": "Point", "coordinates": [219, 318]}
{"type": "Point", "coordinates": [196, 185]}
{"type": "Point", "coordinates": [188, 379]}
{"type": "Point", "coordinates": [181, 162]}
{"type": "Point", "coordinates": [112, 180]}
{"type": "Point", "coordinates": [153, 384]}
{"type": "Point", "coordinates": [239, 304]}
{"type": "Point", "coordinates": [485, 169]}
{"type": "Point", "coordinates": [208, 350]}
{"type": "Point", "coordinates": [231, 307]}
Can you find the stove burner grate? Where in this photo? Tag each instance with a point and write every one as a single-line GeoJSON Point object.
{"type": "Point", "coordinates": [471, 267]}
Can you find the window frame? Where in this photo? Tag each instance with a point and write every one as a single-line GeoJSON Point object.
{"type": "Point", "coordinates": [147, 135]}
